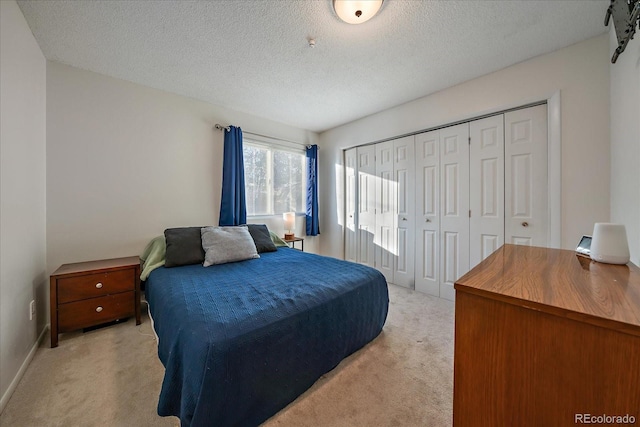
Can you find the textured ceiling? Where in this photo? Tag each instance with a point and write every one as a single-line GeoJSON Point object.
{"type": "Point", "coordinates": [254, 57]}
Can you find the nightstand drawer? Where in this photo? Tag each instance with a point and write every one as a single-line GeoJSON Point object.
{"type": "Point", "coordinates": [95, 285]}
{"type": "Point", "coordinates": [94, 311]}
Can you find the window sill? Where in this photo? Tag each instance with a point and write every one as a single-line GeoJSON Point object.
{"type": "Point", "coordinates": [266, 216]}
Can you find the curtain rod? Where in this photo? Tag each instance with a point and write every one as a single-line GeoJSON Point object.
{"type": "Point", "coordinates": [227, 128]}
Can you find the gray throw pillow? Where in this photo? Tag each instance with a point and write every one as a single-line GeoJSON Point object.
{"type": "Point", "coordinates": [227, 244]}
{"type": "Point", "coordinates": [184, 246]}
{"type": "Point", "coordinates": [261, 237]}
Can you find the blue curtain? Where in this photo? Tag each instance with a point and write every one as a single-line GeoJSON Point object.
{"type": "Point", "coordinates": [313, 223]}
{"type": "Point", "coordinates": [233, 206]}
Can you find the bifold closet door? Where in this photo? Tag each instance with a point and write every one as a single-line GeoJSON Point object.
{"type": "Point", "coordinates": [454, 206]}
{"type": "Point", "coordinates": [427, 148]}
{"type": "Point", "coordinates": [366, 205]}
{"type": "Point", "coordinates": [526, 186]}
{"type": "Point", "coordinates": [386, 208]}
{"type": "Point", "coordinates": [486, 187]}
{"type": "Point", "coordinates": [351, 197]}
{"type": "Point", "coordinates": [477, 185]}
{"type": "Point", "coordinates": [404, 181]}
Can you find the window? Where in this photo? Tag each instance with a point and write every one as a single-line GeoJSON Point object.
{"type": "Point", "coordinates": [274, 179]}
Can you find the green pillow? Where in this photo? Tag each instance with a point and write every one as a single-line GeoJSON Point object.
{"type": "Point", "coordinates": [277, 240]}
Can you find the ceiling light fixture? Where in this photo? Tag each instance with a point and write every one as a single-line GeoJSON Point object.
{"type": "Point", "coordinates": [356, 11]}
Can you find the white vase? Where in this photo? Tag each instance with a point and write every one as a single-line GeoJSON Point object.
{"type": "Point", "coordinates": [609, 243]}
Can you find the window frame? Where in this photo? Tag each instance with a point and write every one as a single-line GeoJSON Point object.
{"type": "Point", "coordinates": [271, 147]}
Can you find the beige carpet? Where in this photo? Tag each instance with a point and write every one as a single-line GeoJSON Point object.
{"type": "Point", "coordinates": [112, 377]}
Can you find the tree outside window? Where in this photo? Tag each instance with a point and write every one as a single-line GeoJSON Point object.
{"type": "Point", "coordinates": [274, 180]}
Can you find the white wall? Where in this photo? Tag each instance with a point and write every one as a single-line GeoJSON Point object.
{"type": "Point", "coordinates": [625, 141]}
{"type": "Point", "coordinates": [22, 196]}
{"type": "Point", "coordinates": [580, 72]}
{"type": "Point", "coordinates": [126, 161]}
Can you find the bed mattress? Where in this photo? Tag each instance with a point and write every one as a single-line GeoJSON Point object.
{"type": "Point", "coordinates": [240, 341]}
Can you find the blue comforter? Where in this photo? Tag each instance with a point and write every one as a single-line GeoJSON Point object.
{"type": "Point", "coordinates": [240, 341]}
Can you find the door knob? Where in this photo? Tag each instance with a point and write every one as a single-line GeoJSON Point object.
{"type": "Point", "coordinates": [525, 224]}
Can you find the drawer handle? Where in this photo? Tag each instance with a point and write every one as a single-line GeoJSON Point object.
{"type": "Point", "coordinates": [525, 224]}
{"type": "Point", "coordinates": [99, 309]}
{"type": "Point", "coordinates": [99, 285]}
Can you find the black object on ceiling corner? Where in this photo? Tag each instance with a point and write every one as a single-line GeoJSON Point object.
{"type": "Point", "coordinates": [626, 17]}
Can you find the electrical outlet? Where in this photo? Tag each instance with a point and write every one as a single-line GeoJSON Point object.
{"type": "Point", "coordinates": [32, 309]}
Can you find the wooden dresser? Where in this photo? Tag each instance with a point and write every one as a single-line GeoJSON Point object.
{"type": "Point", "coordinates": [544, 337]}
{"type": "Point", "coordinates": [91, 293]}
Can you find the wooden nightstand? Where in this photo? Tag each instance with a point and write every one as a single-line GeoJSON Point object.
{"type": "Point", "coordinates": [90, 293]}
{"type": "Point", "coordinates": [293, 241]}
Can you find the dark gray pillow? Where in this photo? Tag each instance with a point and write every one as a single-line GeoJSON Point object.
{"type": "Point", "coordinates": [184, 246]}
{"type": "Point", "coordinates": [262, 238]}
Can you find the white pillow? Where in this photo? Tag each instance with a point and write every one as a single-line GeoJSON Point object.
{"type": "Point", "coordinates": [227, 244]}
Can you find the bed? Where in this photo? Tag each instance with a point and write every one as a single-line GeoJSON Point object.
{"type": "Point", "coordinates": [240, 341]}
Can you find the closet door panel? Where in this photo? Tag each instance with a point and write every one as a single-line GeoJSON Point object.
{"type": "Point", "coordinates": [366, 205]}
{"type": "Point", "coordinates": [386, 198]}
{"type": "Point", "coordinates": [478, 185]}
{"type": "Point", "coordinates": [454, 206]}
{"type": "Point", "coordinates": [526, 186]}
{"type": "Point", "coordinates": [486, 187]}
{"type": "Point", "coordinates": [427, 218]}
{"type": "Point", "coordinates": [351, 202]}
{"type": "Point", "coordinates": [404, 177]}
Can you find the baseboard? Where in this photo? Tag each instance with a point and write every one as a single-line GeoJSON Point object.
{"type": "Point", "coordinates": [22, 370]}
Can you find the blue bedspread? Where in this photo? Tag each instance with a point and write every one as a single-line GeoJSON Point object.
{"type": "Point", "coordinates": [240, 341]}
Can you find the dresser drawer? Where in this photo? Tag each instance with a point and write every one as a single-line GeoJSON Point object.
{"type": "Point", "coordinates": [94, 285]}
{"type": "Point", "coordinates": [94, 311]}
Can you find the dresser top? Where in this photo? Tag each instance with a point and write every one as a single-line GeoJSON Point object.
{"type": "Point", "coordinates": [105, 264]}
{"type": "Point", "coordinates": [559, 282]}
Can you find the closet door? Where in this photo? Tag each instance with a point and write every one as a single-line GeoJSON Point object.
{"type": "Point", "coordinates": [384, 240]}
{"type": "Point", "coordinates": [366, 205]}
{"type": "Point", "coordinates": [526, 186]}
{"type": "Point", "coordinates": [427, 147]}
{"type": "Point", "coordinates": [486, 187]}
{"type": "Point", "coordinates": [404, 177]}
{"type": "Point", "coordinates": [454, 206]}
{"type": "Point", "coordinates": [351, 199]}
